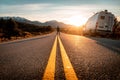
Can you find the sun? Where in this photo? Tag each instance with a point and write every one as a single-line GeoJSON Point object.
{"type": "Point", "coordinates": [77, 20]}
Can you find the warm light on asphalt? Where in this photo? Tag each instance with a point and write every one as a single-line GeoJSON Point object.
{"type": "Point", "coordinates": [50, 69]}
{"type": "Point", "coordinates": [68, 69]}
{"type": "Point", "coordinates": [49, 73]}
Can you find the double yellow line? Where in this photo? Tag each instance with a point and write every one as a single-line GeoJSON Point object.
{"type": "Point", "coordinates": [49, 73]}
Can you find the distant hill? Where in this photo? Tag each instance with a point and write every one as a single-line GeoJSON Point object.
{"type": "Point", "coordinates": [52, 23]}
{"type": "Point", "coordinates": [55, 23]}
{"type": "Point", "coordinates": [20, 27]}
{"type": "Point", "coordinates": [18, 19]}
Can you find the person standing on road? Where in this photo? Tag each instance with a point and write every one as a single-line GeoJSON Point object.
{"type": "Point", "coordinates": [58, 30]}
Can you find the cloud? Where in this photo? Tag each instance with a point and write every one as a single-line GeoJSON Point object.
{"type": "Point", "coordinates": [47, 11]}
{"type": "Point", "coordinates": [23, 8]}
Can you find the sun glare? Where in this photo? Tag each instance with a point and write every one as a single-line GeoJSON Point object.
{"type": "Point", "coordinates": [77, 20]}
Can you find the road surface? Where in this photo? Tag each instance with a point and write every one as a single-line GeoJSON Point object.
{"type": "Point", "coordinates": [52, 57]}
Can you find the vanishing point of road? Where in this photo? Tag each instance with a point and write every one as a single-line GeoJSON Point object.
{"type": "Point", "coordinates": [60, 57]}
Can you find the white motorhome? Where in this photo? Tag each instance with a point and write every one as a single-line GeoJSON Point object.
{"type": "Point", "coordinates": [100, 22]}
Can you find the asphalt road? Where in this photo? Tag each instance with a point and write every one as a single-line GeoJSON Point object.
{"type": "Point", "coordinates": [25, 59]}
{"type": "Point", "coordinates": [92, 58]}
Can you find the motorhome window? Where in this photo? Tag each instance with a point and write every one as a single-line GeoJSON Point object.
{"type": "Point", "coordinates": [102, 17]}
{"type": "Point", "coordinates": [101, 27]}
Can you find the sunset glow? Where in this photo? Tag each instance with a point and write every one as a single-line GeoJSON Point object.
{"type": "Point", "coordinates": [77, 20]}
{"type": "Point", "coordinates": [74, 12]}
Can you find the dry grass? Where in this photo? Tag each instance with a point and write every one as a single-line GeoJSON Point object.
{"type": "Point", "coordinates": [28, 35]}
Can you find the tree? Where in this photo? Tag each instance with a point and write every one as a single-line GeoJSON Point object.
{"type": "Point", "coordinates": [115, 27]}
{"type": "Point", "coordinates": [10, 28]}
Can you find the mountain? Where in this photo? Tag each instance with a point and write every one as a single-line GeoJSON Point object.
{"type": "Point", "coordinates": [18, 19]}
{"type": "Point", "coordinates": [55, 23]}
{"type": "Point", "coordinates": [18, 27]}
{"type": "Point", "coordinates": [52, 23]}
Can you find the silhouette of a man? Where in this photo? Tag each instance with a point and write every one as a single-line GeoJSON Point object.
{"type": "Point", "coordinates": [58, 30]}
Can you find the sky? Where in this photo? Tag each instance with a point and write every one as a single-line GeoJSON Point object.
{"type": "Point", "coordinates": [75, 12]}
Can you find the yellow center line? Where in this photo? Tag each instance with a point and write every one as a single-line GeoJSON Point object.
{"type": "Point", "coordinates": [49, 73]}
{"type": "Point", "coordinates": [68, 69]}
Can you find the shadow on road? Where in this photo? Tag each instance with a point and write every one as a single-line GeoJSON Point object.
{"type": "Point", "coordinates": [113, 45]}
